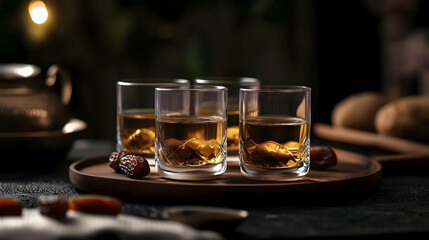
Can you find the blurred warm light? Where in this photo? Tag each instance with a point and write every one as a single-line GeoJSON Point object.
{"type": "Point", "coordinates": [68, 128]}
{"type": "Point", "coordinates": [25, 71]}
{"type": "Point", "coordinates": [38, 12]}
{"type": "Point", "coordinates": [73, 125]}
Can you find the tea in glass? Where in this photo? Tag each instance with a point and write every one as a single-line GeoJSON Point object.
{"type": "Point", "coordinates": [190, 137]}
{"type": "Point", "coordinates": [191, 141]}
{"type": "Point", "coordinates": [275, 132]}
{"type": "Point", "coordinates": [233, 84]}
{"type": "Point", "coordinates": [274, 142]}
{"type": "Point", "coordinates": [136, 113]}
{"type": "Point", "coordinates": [137, 131]}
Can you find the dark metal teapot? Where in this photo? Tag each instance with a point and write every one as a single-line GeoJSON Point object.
{"type": "Point", "coordinates": [27, 103]}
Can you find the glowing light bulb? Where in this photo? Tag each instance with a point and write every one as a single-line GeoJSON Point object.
{"type": "Point", "coordinates": [38, 12]}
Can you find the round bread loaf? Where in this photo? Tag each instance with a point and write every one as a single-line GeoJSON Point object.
{"type": "Point", "coordinates": [406, 117]}
{"type": "Point", "coordinates": [358, 110]}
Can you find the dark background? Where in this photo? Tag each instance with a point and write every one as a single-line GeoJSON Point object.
{"type": "Point", "coordinates": [333, 46]}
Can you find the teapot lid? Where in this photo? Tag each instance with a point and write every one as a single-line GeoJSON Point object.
{"type": "Point", "coordinates": [18, 71]}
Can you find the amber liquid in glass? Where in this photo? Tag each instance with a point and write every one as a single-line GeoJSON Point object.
{"type": "Point", "coordinates": [274, 142]}
{"type": "Point", "coordinates": [191, 141]}
{"type": "Point", "coordinates": [137, 132]}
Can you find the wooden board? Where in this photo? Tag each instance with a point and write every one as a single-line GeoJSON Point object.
{"type": "Point", "coordinates": [363, 138]}
{"type": "Point", "coordinates": [352, 172]}
{"type": "Point", "coordinates": [409, 153]}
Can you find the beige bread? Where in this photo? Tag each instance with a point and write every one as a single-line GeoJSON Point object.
{"type": "Point", "coordinates": [406, 117]}
{"type": "Point", "coordinates": [358, 110]}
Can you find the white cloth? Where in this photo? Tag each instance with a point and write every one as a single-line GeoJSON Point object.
{"type": "Point", "coordinates": [32, 225]}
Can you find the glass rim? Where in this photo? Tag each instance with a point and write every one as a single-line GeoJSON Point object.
{"type": "Point", "coordinates": [227, 80]}
{"type": "Point", "coordinates": [205, 88]}
{"type": "Point", "coordinates": [278, 88]}
{"type": "Point", "coordinates": [153, 82]}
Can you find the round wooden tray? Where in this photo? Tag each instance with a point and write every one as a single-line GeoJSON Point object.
{"type": "Point", "coordinates": [352, 172]}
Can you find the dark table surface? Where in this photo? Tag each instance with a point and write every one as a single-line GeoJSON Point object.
{"type": "Point", "coordinates": [397, 207]}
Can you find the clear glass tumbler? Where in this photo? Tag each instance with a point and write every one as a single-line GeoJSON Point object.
{"type": "Point", "coordinates": [191, 132]}
{"type": "Point", "coordinates": [135, 128]}
{"type": "Point", "coordinates": [275, 132]}
{"type": "Point", "coordinates": [233, 84]}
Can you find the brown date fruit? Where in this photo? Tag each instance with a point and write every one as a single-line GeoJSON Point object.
{"type": "Point", "coordinates": [322, 157]}
{"type": "Point", "coordinates": [134, 166]}
{"type": "Point", "coordinates": [96, 204]}
{"type": "Point", "coordinates": [114, 159]}
{"type": "Point", "coordinates": [53, 206]}
{"type": "Point", "coordinates": [10, 207]}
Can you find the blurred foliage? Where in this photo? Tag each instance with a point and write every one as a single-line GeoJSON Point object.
{"type": "Point", "coordinates": [102, 41]}
{"type": "Point", "coordinates": [166, 38]}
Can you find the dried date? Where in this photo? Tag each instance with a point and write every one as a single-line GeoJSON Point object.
{"type": "Point", "coordinates": [53, 206]}
{"type": "Point", "coordinates": [96, 204]}
{"type": "Point", "coordinates": [115, 158]}
{"type": "Point", "coordinates": [10, 207]}
{"type": "Point", "coordinates": [134, 166]}
{"type": "Point", "coordinates": [322, 157]}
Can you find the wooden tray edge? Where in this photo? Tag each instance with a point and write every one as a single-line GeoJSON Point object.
{"type": "Point", "coordinates": [191, 190]}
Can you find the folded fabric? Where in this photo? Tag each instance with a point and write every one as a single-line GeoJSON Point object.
{"type": "Point", "coordinates": [33, 225]}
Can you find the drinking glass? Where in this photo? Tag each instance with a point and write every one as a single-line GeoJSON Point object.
{"type": "Point", "coordinates": [190, 132]}
{"type": "Point", "coordinates": [233, 84]}
{"type": "Point", "coordinates": [275, 132]}
{"type": "Point", "coordinates": [135, 128]}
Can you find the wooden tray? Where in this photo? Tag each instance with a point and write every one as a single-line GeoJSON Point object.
{"type": "Point", "coordinates": [352, 172]}
{"type": "Point", "coordinates": [407, 153]}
